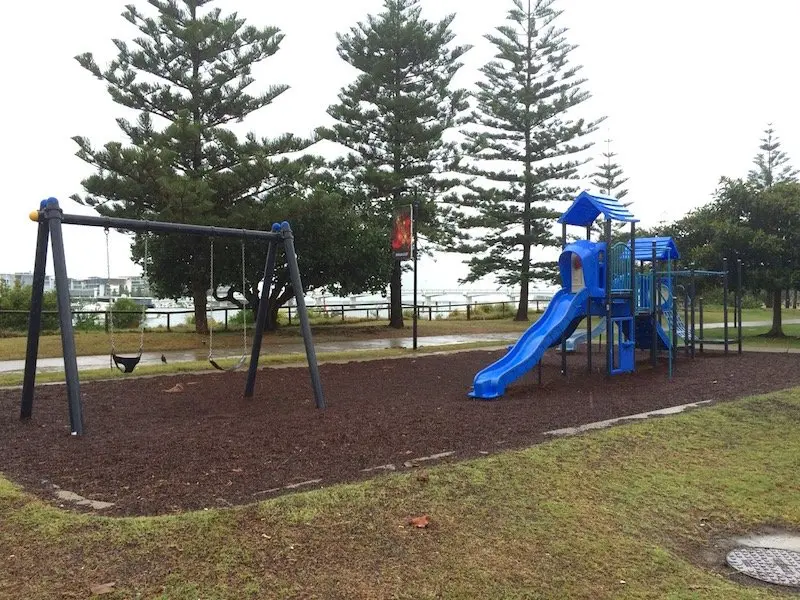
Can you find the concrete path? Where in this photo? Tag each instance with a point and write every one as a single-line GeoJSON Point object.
{"type": "Point", "coordinates": [154, 358]}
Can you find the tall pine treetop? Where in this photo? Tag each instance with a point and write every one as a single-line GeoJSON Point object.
{"type": "Point", "coordinates": [772, 163]}
{"type": "Point", "coordinates": [609, 176]}
{"type": "Point", "coordinates": [395, 112]}
{"type": "Point", "coordinates": [204, 57]}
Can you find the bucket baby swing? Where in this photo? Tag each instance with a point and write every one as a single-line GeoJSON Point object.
{"type": "Point", "coordinates": [126, 364]}
{"type": "Point", "coordinates": [240, 363]}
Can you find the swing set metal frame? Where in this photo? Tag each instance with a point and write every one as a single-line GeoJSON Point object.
{"type": "Point", "coordinates": [50, 218]}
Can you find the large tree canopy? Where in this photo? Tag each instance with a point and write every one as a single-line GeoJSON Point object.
{"type": "Point", "coordinates": [522, 148]}
{"type": "Point", "coordinates": [187, 75]}
{"type": "Point", "coordinates": [759, 226]}
{"type": "Point", "coordinates": [392, 120]}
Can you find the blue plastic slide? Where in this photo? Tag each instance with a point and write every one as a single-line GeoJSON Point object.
{"type": "Point", "coordinates": [563, 309]}
{"type": "Point", "coordinates": [579, 337]}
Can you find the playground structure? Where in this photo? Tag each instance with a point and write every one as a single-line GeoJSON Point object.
{"type": "Point", "coordinates": [51, 218]}
{"type": "Point", "coordinates": [630, 286]}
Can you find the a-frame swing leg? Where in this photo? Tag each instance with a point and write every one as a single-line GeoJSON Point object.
{"type": "Point", "coordinates": [263, 307]}
{"type": "Point", "coordinates": [261, 317]}
{"type": "Point", "coordinates": [305, 325]}
{"type": "Point", "coordinates": [54, 215]}
{"type": "Point", "coordinates": [35, 320]}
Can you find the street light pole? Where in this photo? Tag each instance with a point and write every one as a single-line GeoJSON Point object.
{"type": "Point", "coordinates": [414, 215]}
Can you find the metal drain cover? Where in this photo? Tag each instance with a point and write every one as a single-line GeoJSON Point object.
{"type": "Point", "coordinates": [781, 567]}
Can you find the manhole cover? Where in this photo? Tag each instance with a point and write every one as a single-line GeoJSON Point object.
{"type": "Point", "coordinates": [781, 567]}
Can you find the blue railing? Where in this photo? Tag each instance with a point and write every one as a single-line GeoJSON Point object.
{"type": "Point", "coordinates": [620, 265]}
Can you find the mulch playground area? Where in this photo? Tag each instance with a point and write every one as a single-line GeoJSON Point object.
{"type": "Point", "coordinates": [167, 444]}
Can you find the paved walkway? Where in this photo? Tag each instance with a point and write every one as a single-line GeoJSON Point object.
{"type": "Point", "coordinates": [154, 358]}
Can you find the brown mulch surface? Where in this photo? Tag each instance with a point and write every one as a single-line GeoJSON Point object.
{"type": "Point", "coordinates": [150, 451]}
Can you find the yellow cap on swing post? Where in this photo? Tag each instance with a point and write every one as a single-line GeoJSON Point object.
{"type": "Point", "coordinates": [34, 216]}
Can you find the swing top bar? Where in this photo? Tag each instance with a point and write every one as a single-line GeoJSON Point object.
{"type": "Point", "coordinates": [50, 206]}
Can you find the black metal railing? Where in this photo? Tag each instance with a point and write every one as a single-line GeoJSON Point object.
{"type": "Point", "coordinates": [371, 311]}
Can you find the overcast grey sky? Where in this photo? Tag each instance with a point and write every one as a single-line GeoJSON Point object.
{"type": "Point", "coordinates": [688, 87]}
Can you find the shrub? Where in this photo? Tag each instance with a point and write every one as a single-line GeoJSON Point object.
{"type": "Point", "coordinates": [126, 313]}
{"type": "Point", "coordinates": [18, 298]}
{"type": "Point", "coordinates": [89, 322]}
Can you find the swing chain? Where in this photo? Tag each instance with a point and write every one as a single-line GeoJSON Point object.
{"type": "Point", "coordinates": [110, 311]}
{"type": "Point", "coordinates": [211, 318]}
{"type": "Point", "coordinates": [244, 306]}
{"type": "Point", "coordinates": [144, 304]}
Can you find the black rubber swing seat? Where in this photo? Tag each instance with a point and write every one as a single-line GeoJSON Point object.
{"type": "Point", "coordinates": [126, 364]}
{"type": "Point", "coordinates": [235, 367]}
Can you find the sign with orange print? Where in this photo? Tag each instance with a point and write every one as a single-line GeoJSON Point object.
{"type": "Point", "coordinates": [402, 234]}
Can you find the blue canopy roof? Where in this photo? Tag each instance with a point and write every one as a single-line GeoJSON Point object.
{"type": "Point", "coordinates": [586, 207]}
{"type": "Point", "coordinates": [665, 248]}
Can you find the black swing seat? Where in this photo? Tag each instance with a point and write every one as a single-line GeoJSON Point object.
{"type": "Point", "coordinates": [235, 367]}
{"type": "Point", "coordinates": [126, 364]}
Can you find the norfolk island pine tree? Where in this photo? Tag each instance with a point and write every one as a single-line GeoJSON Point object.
{"type": "Point", "coordinates": [392, 118]}
{"type": "Point", "coordinates": [522, 147]}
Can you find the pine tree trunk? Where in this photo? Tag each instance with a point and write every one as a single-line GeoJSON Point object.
{"type": "Point", "coordinates": [794, 299]}
{"type": "Point", "coordinates": [776, 330]}
{"type": "Point", "coordinates": [768, 299]}
{"type": "Point", "coordinates": [200, 306]}
{"type": "Point", "coordinates": [786, 300]}
{"type": "Point", "coordinates": [522, 309]}
{"type": "Point", "coordinates": [396, 297]}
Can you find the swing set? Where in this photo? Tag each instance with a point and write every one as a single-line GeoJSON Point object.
{"type": "Point", "coordinates": [50, 218]}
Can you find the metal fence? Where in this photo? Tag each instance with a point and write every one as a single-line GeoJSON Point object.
{"type": "Point", "coordinates": [341, 312]}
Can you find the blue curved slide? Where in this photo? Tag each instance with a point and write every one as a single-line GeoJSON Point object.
{"type": "Point", "coordinates": [562, 311]}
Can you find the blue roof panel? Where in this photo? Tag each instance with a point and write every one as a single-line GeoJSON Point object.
{"type": "Point", "coordinates": [587, 207]}
{"type": "Point", "coordinates": [665, 248]}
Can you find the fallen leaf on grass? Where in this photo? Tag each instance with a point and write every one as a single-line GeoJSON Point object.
{"type": "Point", "coordinates": [419, 522]}
{"type": "Point", "coordinates": [176, 389]}
{"type": "Point", "coordinates": [103, 588]}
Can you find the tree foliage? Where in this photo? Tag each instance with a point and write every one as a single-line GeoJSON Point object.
{"type": "Point", "coordinates": [17, 297]}
{"type": "Point", "coordinates": [609, 176]}
{"type": "Point", "coordinates": [126, 313]}
{"type": "Point", "coordinates": [522, 148]}
{"type": "Point", "coordinates": [187, 76]}
{"type": "Point", "coordinates": [392, 119]}
{"type": "Point", "coordinates": [772, 163]}
{"type": "Point", "coordinates": [759, 226]}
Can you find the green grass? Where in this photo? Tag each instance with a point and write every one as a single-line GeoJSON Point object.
{"type": "Point", "coordinates": [753, 337]}
{"type": "Point", "coordinates": [624, 513]}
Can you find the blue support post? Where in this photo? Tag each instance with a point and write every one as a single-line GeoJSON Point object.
{"type": "Point", "coordinates": [654, 310]}
{"type": "Point", "coordinates": [609, 280]}
{"type": "Point", "coordinates": [564, 340]}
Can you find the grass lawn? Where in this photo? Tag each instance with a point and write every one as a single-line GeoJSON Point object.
{"type": "Point", "coordinates": [753, 337]}
{"type": "Point", "coordinates": [625, 513]}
